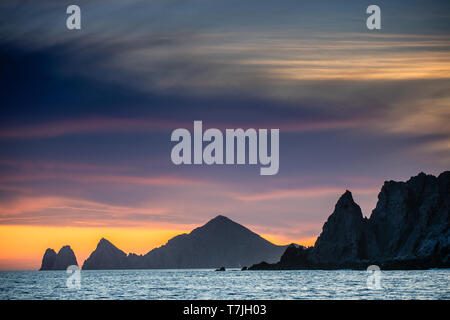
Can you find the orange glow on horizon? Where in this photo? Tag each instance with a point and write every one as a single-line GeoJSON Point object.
{"type": "Point", "coordinates": [281, 240]}
{"type": "Point", "coordinates": [22, 247]}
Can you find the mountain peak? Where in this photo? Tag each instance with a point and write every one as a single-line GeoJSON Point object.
{"type": "Point", "coordinates": [50, 251]}
{"type": "Point", "coordinates": [221, 223]}
{"type": "Point", "coordinates": [104, 243]}
{"type": "Point", "coordinates": [66, 248]}
{"type": "Point", "coordinates": [345, 200]}
{"type": "Point", "coordinates": [221, 218]}
{"type": "Point", "coordinates": [106, 256]}
{"type": "Point", "coordinates": [345, 208]}
{"type": "Point", "coordinates": [219, 242]}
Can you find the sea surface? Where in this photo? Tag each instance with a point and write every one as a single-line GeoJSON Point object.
{"type": "Point", "coordinates": [231, 284]}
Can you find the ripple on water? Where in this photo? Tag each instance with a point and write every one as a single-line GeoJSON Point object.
{"type": "Point", "coordinates": [207, 284]}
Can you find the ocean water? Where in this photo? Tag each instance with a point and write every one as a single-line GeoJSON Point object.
{"type": "Point", "coordinates": [231, 284]}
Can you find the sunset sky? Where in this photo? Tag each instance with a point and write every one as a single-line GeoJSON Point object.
{"type": "Point", "coordinates": [86, 115]}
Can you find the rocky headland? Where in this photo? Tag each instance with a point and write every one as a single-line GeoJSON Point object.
{"type": "Point", "coordinates": [408, 229]}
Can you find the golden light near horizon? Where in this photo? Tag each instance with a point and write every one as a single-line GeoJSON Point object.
{"type": "Point", "coordinates": [22, 247]}
{"type": "Point", "coordinates": [85, 151]}
{"type": "Point", "coordinates": [344, 56]}
{"type": "Point", "coordinates": [354, 66]}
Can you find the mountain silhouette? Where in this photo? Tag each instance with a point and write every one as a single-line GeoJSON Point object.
{"type": "Point", "coordinates": [220, 242]}
{"type": "Point", "coordinates": [106, 256]}
{"type": "Point", "coordinates": [408, 229]}
{"type": "Point", "coordinates": [60, 261]}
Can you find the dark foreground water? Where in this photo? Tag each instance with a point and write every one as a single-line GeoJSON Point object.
{"type": "Point", "coordinates": [231, 284]}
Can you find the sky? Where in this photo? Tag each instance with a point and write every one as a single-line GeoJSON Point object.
{"type": "Point", "coordinates": [86, 115]}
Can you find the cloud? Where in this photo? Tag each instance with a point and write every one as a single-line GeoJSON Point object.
{"type": "Point", "coordinates": [273, 64]}
{"type": "Point", "coordinates": [349, 104]}
{"type": "Point", "coordinates": [54, 165]}
{"type": "Point", "coordinates": [299, 193]}
{"type": "Point", "coordinates": [116, 179]}
{"type": "Point", "coordinates": [139, 125]}
{"type": "Point", "coordinates": [85, 126]}
{"type": "Point", "coordinates": [426, 116]}
{"type": "Point", "coordinates": [51, 210]}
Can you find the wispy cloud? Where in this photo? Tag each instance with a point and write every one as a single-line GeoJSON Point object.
{"type": "Point", "coordinates": [299, 193]}
{"type": "Point", "coordinates": [95, 178]}
{"type": "Point", "coordinates": [83, 112]}
{"type": "Point", "coordinates": [119, 125]}
{"type": "Point", "coordinates": [85, 126]}
{"type": "Point", "coordinates": [61, 166]}
{"type": "Point", "coordinates": [51, 210]}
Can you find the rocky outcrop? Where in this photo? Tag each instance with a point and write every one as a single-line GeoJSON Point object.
{"type": "Point", "coordinates": [48, 261]}
{"type": "Point", "coordinates": [64, 258]}
{"type": "Point", "coordinates": [60, 261]}
{"type": "Point", "coordinates": [106, 256]}
{"type": "Point", "coordinates": [411, 221]}
{"type": "Point", "coordinates": [220, 242]}
{"type": "Point", "coordinates": [345, 237]}
{"type": "Point", "coordinates": [408, 229]}
{"type": "Point", "coordinates": [295, 257]}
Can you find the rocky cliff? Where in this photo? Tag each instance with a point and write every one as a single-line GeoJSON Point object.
{"type": "Point", "coordinates": [58, 261]}
{"type": "Point", "coordinates": [106, 256]}
{"type": "Point", "coordinates": [408, 229]}
{"type": "Point", "coordinates": [48, 261]}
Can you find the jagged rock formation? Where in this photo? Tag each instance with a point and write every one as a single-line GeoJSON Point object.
{"type": "Point", "coordinates": [220, 242]}
{"type": "Point", "coordinates": [408, 229]}
{"type": "Point", "coordinates": [106, 256]}
{"type": "Point", "coordinates": [48, 261]}
{"type": "Point", "coordinates": [420, 229]}
{"type": "Point", "coordinates": [345, 235]}
{"type": "Point", "coordinates": [60, 261]}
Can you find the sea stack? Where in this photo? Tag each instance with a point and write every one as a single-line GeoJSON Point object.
{"type": "Point", "coordinates": [53, 261]}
